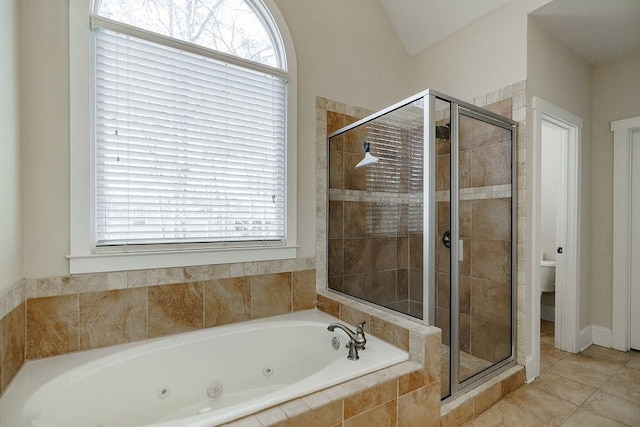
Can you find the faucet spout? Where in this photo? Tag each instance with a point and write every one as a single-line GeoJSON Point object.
{"type": "Point", "coordinates": [333, 326]}
{"type": "Point", "coordinates": [357, 336]}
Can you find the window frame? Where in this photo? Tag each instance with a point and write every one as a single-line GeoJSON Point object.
{"type": "Point", "coordinates": [84, 256]}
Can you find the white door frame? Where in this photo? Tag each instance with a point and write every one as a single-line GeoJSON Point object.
{"type": "Point", "coordinates": [620, 331]}
{"type": "Point", "coordinates": [568, 295]}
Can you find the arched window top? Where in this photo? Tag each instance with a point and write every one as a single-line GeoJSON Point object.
{"type": "Point", "coordinates": [242, 28]}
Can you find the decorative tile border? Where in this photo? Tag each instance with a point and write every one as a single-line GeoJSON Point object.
{"type": "Point", "coordinates": [477, 193]}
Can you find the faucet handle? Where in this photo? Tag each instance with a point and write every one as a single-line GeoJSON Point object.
{"type": "Point", "coordinates": [360, 339]}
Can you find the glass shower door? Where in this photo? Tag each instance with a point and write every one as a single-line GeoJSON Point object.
{"type": "Point", "coordinates": [484, 244]}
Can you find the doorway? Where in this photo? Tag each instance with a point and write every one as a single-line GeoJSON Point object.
{"type": "Point", "coordinates": [625, 329]}
{"type": "Point", "coordinates": [555, 224]}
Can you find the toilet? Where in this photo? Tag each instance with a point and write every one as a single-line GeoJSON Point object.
{"type": "Point", "coordinates": [547, 275]}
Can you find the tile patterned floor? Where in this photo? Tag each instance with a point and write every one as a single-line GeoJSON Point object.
{"type": "Point", "coordinates": [598, 387]}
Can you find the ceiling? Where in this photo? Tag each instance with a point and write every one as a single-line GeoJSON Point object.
{"type": "Point", "coordinates": [423, 23]}
{"type": "Point", "coordinates": [597, 29]}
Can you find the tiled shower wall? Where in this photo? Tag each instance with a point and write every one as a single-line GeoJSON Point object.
{"type": "Point", "coordinates": [375, 247]}
{"type": "Point", "coordinates": [57, 315]}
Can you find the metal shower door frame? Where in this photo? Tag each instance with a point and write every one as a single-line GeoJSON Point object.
{"type": "Point", "coordinates": [461, 108]}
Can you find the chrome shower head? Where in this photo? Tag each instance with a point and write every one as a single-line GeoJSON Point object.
{"type": "Point", "coordinates": [369, 159]}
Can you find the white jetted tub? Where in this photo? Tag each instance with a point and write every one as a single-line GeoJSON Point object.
{"type": "Point", "coordinates": [202, 378]}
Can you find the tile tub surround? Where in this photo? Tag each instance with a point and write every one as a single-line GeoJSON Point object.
{"type": "Point", "coordinates": [12, 332]}
{"type": "Point", "coordinates": [406, 394]}
{"type": "Point", "coordinates": [56, 315]}
{"type": "Point", "coordinates": [67, 323]}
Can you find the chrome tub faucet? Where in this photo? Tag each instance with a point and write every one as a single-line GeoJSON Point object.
{"type": "Point", "coordinates": [357, 339]}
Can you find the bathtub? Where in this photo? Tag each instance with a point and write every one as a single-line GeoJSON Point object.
{"type": "Point", "coordinates": [202, 378]}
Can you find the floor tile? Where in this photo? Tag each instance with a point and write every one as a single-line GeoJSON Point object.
{"type": "Point", "coordinates": [598, 387]}
{"type": "Point", "coordinates": [574, 370]}
{"type": "Point", "coordinates": [624, 387]}
{"type": "Point", "coordinates": [616, 408]}
{"type": "Point", "coordinates": [563, 388]}
{"type": "Point", "coordinates": [544, 406]}
{"type": "Point", "coordinates": [582, 418]}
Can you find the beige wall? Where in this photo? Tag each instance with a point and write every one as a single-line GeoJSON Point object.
{"type": "Point", "coordinates": [482, 57]}
{"type": "Point", "coordinates": [347, 51]}
{"type": "Point", "coordinates": [562, 77]}
{"type": "Point", "coordinates": [45, 136]}
{"type": "Point", "coordinates": [10, 202]}
{"type": "Point", "coordinates": [338, 57]}
{"type": "Point", "coordinates": [616, 95]}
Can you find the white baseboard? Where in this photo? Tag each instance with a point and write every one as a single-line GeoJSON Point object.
{"type": "Point", "coordinates": [585, 338]}
{"type": "Point", "coordinates": [601, 336]}
{"type": "Point", "coordinates": [529, 369]}
{"type": "Point", "coordinates": [548, 312]}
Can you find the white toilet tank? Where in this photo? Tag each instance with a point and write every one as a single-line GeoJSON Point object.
{"type": "Point", "coordinates": [547, 275]}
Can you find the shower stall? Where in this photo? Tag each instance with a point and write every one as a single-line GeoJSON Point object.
{"type": "Point", "coordinates": [421, 221]}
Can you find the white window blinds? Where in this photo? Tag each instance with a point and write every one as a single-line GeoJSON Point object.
{"type": "Point", "coordinates": [187, 148]}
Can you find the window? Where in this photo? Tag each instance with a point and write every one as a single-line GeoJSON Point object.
{"type": "Point", "coordinates": [191, 135]}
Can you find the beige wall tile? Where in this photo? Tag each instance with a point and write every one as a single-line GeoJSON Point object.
{"type": "Point", "coordinates": [227, 301]}
{"type": "Point", "coordinates": [336, 219]}
{"type": "Point", "coordinates": [323, 416]}
{"type": "Point", "coordinates": [390, 332]}
{"type": "Point", "coordinates": [490, 341]}
{"type": "Point", "coordinates": [491, 165]}
{"type": "Point", "coordinates": [352, 316]}
{"type": "Point", "coordinates": [329, 306]}
{"type": "Point", "coordinates": [336, 169]}
{"type": "Point", "coordinates": [383, 287]}
{"type": "Point", "coordinates": [357, 256]}
{"type": "Point", "coordinates": [52, 326]}
{"type": "Point", "coordinates": [354, 139]}
{"type": "Point", "coordinates": [491, 219]}
{"type": "Point", "coordinates": [381, 416]}
{"type": "Point", "coordinates": [486, 398]}
{"type": "Point", "coordinates": [12, 344]}
{"type": "Point", "coordinates": [491, 260]}
{"type": "Point", "coordinates": [384, 253]}
{"type": "Point", "coordinates": [420, 408]}
{"type": "Point", "coordinates": [356, 215]}
{"type": "Point", "coordinates": [175, 308]}
{"type": "Point", "coordinates": [270, 295]}
{"type": "Point", "coordinates": [304, 289]}
{"type": "Point", "coordinates": [371, 397]}
{"type": "Point", "coordinates": [335, 121]}
{"type": "Point", "coordinates": [112, 317]}
{"type": "Point", "coordinates": [458, 415]}
{"type": "Point", "coordinates": [513, 382]}
{"type": "Point", "coordinates": [336, 257]}
{"type": "Point", "coordinates": [491, 301]}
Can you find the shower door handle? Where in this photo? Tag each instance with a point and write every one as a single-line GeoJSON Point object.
{"type": "Point", "coordinates": [446, 239]}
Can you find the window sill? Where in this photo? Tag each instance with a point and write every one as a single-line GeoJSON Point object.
{"type": "Point", "coordinates": [123, 261]}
